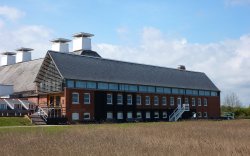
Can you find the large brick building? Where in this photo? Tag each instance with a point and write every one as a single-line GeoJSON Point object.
{"type": "Point", "coordinates": [84, 86]}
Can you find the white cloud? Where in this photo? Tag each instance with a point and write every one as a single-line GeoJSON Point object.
{"type": "Point", "coordinates": [227, 62]}
{"type": "Point", "coordinates": [237, 2]}
{"type": "Point", "coordinates": [10, 13]}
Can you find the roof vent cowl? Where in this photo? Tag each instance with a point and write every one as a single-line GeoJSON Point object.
{"type": "Point", "coordinates": [181, 67]}
{"type": "Point", "coordinates": [8, 58]}
{"type": "Point", "coordinates": [23, 54]}
{"type": "Point", "coordinates": [82, 41]}
{"type": "Point", "coordinates": [60, 45]}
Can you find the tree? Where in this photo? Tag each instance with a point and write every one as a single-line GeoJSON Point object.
{"type": "Point", "coordinates": [232, 101]}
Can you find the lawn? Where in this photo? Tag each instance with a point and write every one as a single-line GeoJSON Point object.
{"type": "Point", "coordinates": [160, 138]}
{"type": "Point", "coordinates": [14, 121]}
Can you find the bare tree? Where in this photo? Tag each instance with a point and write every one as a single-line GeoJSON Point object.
{"type": "Point", "coordinates": [232, 101]}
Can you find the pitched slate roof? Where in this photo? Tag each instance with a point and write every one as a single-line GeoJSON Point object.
{"type": "Point", "coordinates": [80, 67]}
{"type": "Point", "coordinates": [21, 75]}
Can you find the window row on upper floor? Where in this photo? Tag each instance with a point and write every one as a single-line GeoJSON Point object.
{"type": "Point", "coordinates": [137, 88]}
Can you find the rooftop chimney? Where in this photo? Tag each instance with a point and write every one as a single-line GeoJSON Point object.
{"type": "Point", "coordinates": [23, 54]}
{"type": "Point", "coordinates": [82, 41]}
{"type": "Point", "coordinates": [8, 58]}
{"type": "Point", "coordinates": [181, 67]}
{"type": "Point", "coordinates": [60, 45]}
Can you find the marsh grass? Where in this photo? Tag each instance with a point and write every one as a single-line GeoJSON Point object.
{"type": "Point", "coordinates": [161, 138]}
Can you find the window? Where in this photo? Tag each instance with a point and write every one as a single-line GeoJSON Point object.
{"type": "Point", "coordinates": [109, 99]}
{"type": "Point", "coordinates": [164, 101]}
{"type": "Point", "coordinates": [143, 89]}
{"type": "Point", "coordinates": [147, 100]}
{"type": "Point", "coordinates": [113, 86]}
{"type": "Point", "coordinates": [70, 84]}
{"type": "Point", "coordinates": [214, 94]}
{"type": "Point", "coordinates": [205, 101]}
{"type": "Point", "coordinates": [75, 98]}
{"type": "Point", "coordinates": [138, 100]}
{"type": "Point", "coordinates": [179, 101]}
{"type": "Point", "coordinates": [86, 116]}
{"type": "Point", "coordinates": [138, 115]}
{"type": "Point", "coordinates": [75, 116]}
{"type": "Point", "coordinates": [103, 86]}
{"type": "Point", "coordinates": [193, 101]}
{"type": "Point", "coordinates": [80, 84]}
{"type": "Point", "coordinates": [147, 115]}
{"type": "Point", "coordinates": [205, 114]}
{"type": "Point", "coordinates": [186, 101]}
{"type": "Point", "coordinates": [181, 91]}
{"type": "Point", "coordinates": [167, 90]}
{"type": "Point", "coordinates": [199, 115]}
{"type": "Point", "coordinates": [189, 92]}
{"type": "Point", "coordinates": [207, 93]}
{"type": "Point", "coordinates": [129, 115]}
{"type": "Point", "coordinates": [2, 106]}
{"type": "Point", "coordinates": [199, 101]}
{"type": "Point", "coordinates": [175, 91]}
{"type": "Point", "coordinates": [120, 115]}
{"type": "Point", "coordinates": [129, 99]}
{"type": "Point", "coordinates": [91, 85]}
{"type": "Point", "coordinates": [119, 99]}
{"type": "Point", "coordinates": [171, 101]}
{"type": "Point", "coordinates": [109, 115]}
{"type": "Point", "coordinates": [201, 93]}
{"type": "Point", "coordinates": [123, 87]}
{"type": "Point", "coordinates": [164, 115]}
{"type": "Point", "coordinates": [156, 100]}
{"type": "Point", "coordinates": [132, 88]}
{"type": "Point", "coordinates": [159, 90]}
{"type": "Point", "coordinates": [151, 89]}
{"type": "Point", "coordinates": [86, 98]}
{"type": "Point", "coordinates": [156, 115]}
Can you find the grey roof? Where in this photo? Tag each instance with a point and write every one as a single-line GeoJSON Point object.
{"type": "Point", "coordinates": [21, 75]}
{"type": "Point", "coordinates": [86, 53]}
{"type": "Point", "coordinates": [81, 67]}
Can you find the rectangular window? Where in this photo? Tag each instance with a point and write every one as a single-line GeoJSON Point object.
{"type": "Point", "coordinates": [132, 88]}
{"type": "Point", "coordinates": [164, 101]}
{"type": "Point", "coordinates": [119, 115]}
{"type": "Point", "coordinates": [159, 90]}
{"type": "Point", "coordinates": [181, 91]}
{"type": "Point", "coordinates": [147, 100]}
{"type": "Point", "coordinates": [156, 100]}
{"type": "Point", "coordinates": [2, 106]}
{"type": "Point", "coordinates": [179, 101]}
{"type": "Point", "coordinates": [167, 90]}
{"type": "Point", "coordinates": [143, 88]}
{"type": "Point", "coordinates": [189, 92]}
{"type": "Point", "coordinates": [109, 115]}
{"type": "Point", "coordinates": [205, 101]}
{"type": "Point", "coordinates": [164, 115]}
{"type": "Point", "coordinates": [201, 93]}
{"type": "Point", "coordinates": [214, 94]}
{"type": "Point", "coordinates": [129, 99]}
{"type": "Point", "coordinates": [147, 115]}
{"type": "Point", "coordinates": [195, 92]}
{"type": "Point", "coordinates": [70, 84]}
{"type": "Point", "coordinates": [119, 99]}
{"type": "Point", "coordinates": [138, 100]}
{"type": "Point", "coordinates": [86, 98]}
{"type": "Point", "coordinates": [205, 114]}
{"type": "Point", "coordinates": [193, 101]}
{"type": "Point", "coordinates": [175, 91]}
{"type": "Point", "coordinates": [151, 89]}
{"type": "Point", "coordinates": [138, 115]}
{"type": "Point", "coordinates": [86, 116]}
{"type": "Point", "coordinates": [186, 101]}
{"type": "Point", "coordinates": [80, 84]}
{"type": "Point", "coordinates": [91, 85]}
{"type": "Point", "coordinates": [199, 101]}
{"type": "Point", "coordinates": [129, 115]}
{"type": "Point", "coordinates": [75, 116]}
{"type": "Point", "coordinates": [109, 99]}
{"type": "Point", "coordinates": [123, 87]}
{"type": "Point", "coordinates": [156, 115]}
{"type": "Point", "coordinates": [75, 98]}
{"type": "Point", "coordinates": [199, 115]}
{"type": "Point", "coordinates": [207, 93]}
{"type": "Point", "coordinates": [113, 86]}
{"type": "Point", "coordinates": [171, 101]}
{"type": "Point", "coordinates": [104, 86]}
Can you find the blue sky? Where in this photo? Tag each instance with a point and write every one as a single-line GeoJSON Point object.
{"type": "Point", "coordinates": [212, 36]}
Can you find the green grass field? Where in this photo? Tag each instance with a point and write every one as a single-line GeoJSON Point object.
{"type": "Point", "coordinates": [14, 121]}
{"type": "Point", "coordinates": [159, 138]}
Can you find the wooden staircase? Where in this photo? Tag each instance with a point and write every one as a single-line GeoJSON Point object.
{"type": "Point", "coordinates": [37, 119]}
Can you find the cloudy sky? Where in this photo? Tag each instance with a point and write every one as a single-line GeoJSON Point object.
{"type": "Point", "coordinates": [212, 36]}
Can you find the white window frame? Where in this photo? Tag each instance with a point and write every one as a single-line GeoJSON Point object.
{"type": "Point", "coordinates": [205, 101]}
{"type": "Point", "coordinates": [147, 100]}
{"type": "Point", "coordinates": [165, 114]}
{"type": "Point", "coordinates": [205, 114]}
{"type": "Point", "coordinates": [171, 101]}
{"type": "Point", "coordinates": [179, 101]}
{"type": "Point", "coordinates": [109, 115]}
{"type": "Point", "coordinates": [88, 98]}
{"type": "Point", "coordinates": [156, 115]}
{"type": "Point", "coordinates": [111, 97]}
{"type": "Point", "coordinates": [148, 115]}
{"type": "Point", "coordinates": [120, 115]}
{"type": "Point", "coordinates": [77, 102]}
{"type": "Point", "coordinates": [75, 116]}
{"type": "Point", "coordinates": [129, 102]}
{"type": "Point", "coordinates": [120, 102]}
{"type": "Point", "coordinates": [199, 101]}
{"type": "Point", "coordinates": [86, 113]}
{"type": "Point", "coordinates": [156, 100]}
{"type": "Point", "coordinates": [138, 96]}
{"type": "Point", "coordinates": [138, 113]}
{"type": "Point", "coordinates": [193, 102]}
{"type": "Point", "coordinates": [129, 115]}
{"type": "Point", "coordinates": [165, 101]}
